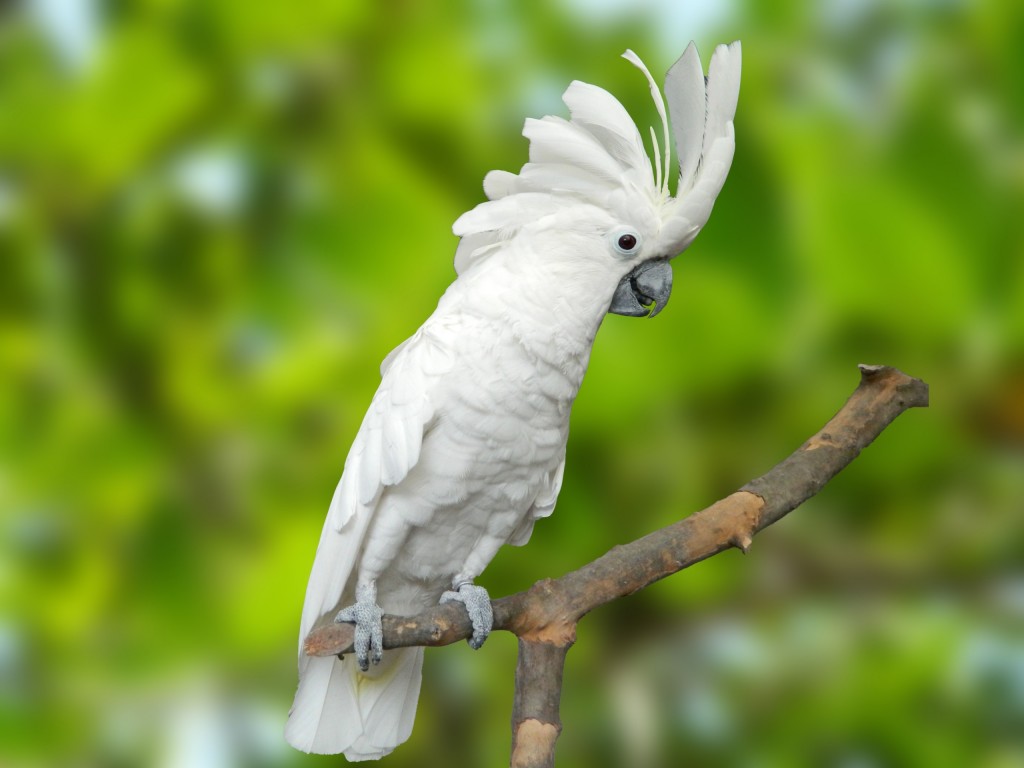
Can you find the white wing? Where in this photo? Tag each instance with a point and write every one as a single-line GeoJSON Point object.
{"type": "Point", "coordinates": [336, 709]}
{"type": "Point", "coordinates": [386, 447]}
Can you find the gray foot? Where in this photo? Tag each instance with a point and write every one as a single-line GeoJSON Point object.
{"type": "Point", "coordinates": [478, 606]}
{"type": "Point", "coordinates": [366, 615]}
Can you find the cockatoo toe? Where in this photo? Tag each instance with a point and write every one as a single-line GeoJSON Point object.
{"type": "Point", "coordinates": [368, 618]}
{"type": "Point", "coordinates": [478, 606]}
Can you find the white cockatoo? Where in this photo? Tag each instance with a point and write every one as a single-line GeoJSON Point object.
{"type": "Point", "coordinates": [463, 446]}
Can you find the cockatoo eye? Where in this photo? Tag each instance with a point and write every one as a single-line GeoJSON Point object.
{"type": "Point", "coordinates": [626, 242]}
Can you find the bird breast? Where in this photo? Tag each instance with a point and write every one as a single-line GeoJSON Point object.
{"type": "Point", "coordinates": [499, 435]}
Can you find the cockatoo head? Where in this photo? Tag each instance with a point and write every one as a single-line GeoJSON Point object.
{"type": "Point", "coordinates": [591, 190]}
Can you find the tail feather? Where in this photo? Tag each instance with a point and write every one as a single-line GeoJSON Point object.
{"type": "Point", "coordinates": [339, 709]}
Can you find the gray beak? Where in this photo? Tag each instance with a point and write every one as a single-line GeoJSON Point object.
{"type": "Point", "coordinates": [643, 292]}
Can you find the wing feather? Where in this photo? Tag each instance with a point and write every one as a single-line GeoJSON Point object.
{"type": "Point", "coordinates": [385, 449]}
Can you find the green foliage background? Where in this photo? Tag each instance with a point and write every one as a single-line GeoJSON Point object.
{"type": "Point", "coordinates": [216, 218]}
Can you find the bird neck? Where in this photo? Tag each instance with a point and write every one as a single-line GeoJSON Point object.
{"type": "Point", "coordinates": [549, 308]}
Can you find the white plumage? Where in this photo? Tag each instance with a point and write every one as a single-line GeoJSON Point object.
{"type": "Point", "coordinates": [463, 445]}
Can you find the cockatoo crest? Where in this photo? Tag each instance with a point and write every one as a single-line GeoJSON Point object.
{"type": "Point", "coordinates": [598, 158]}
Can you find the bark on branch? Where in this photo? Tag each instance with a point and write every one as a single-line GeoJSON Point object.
{"type": "Point", "coordinates": [544, 617]}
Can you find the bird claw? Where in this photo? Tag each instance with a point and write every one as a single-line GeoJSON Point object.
{"type": "Point", "coordinates": [478, 606]}
{"type": "Point", "coordinates": [367, 617]}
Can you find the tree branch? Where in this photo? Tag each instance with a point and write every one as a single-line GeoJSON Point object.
{"type": "Point", "coordinates": [544, 617]}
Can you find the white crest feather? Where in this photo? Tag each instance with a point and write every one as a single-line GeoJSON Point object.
{"type": "Point", "coordinates": [597, 157]}
{"type": "Point", "coordinates": [659, 103]}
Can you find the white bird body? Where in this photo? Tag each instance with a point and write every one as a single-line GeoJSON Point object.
{"type": "Point", "coordinates": [463, 446]}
